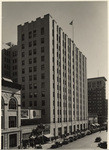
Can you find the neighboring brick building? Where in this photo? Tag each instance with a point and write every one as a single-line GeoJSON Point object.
{"type": "Point", "coordinates": [53, 75]}
{"type": "Point", "coordinates": [10, 114]}
{"type": "Point", "coordinates": [10, 63]}
{"type": "Point", "coordinates": [97, 103]}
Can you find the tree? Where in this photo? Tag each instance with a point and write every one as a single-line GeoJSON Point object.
{"type": "Point", "coordinates": [38, 131]}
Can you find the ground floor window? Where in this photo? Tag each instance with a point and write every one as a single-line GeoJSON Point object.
{"type": "Point", "coordinates": [13, 140]}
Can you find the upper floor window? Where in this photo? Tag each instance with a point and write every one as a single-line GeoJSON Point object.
{"type": "Point", "coordinates": [30, 35]}
{"type": "Point", "coordinates": [34, 43]}
{"type": "Point", "coordinates": [42, 58]}
{"type": "Point", "coordinates": [42, 49]}
{"type": "Point", "coordinates": [30, 44]}
{"type": "Point", "coordinates": [42, 31]}
{"type": "Point", "coordinates": [12, 104]}
{"type": "Point", "coordinates": [12, 121]}
{"type": "Point", "coordinates": [23, 37]}
{"type": "Point", "coordinates": [42, 40]}
{"type": "Point", "coordinates": [34, 33]}
{"type": "Point", "coordinates": [23, 46]}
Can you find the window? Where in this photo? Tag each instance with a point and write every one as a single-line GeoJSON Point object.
{"type": "Point", "coordinates": [43, 103]}
{"type": "Point", "coordinates": [30, 69]}
{"type": "Point", "coordinates": [42, 58]}
{"type": "Point", "coordinates": [30, 35]}
{"type": "Point", "coordinates": [23, 104]}
{"type": "Point", "coordinates": [35, 68]}
{"type": "Point", "coordinates": [12, 104]}
{"type": "Point", "coordinates": [43, 112]}
{"type": "Point", "coordinates": [30, 78]}
{"type": "Point", "coordinates": [43, 94]}
{"type": "Point", "coordinates": [34, 51]}
{"type": "Point", "coordinates": [23, 54]}
{"type": "Point", "coordinates": [34, 33]}
{"type": "Point", "coordinates": [23, 95]}
{"type": "Point", "coordinates": [34, 43]}
{"type": "Point", "coordinates": [30, 95]}
{"type": "Point", "coordinates": [13, 140]}
{"type": "Point", "coordinates": [42, 40]}
{"type": "Point", "coordinates": [30, 103]}
{"type": "Point", "coordinates": [30, 61]}
{"type": "Point", "coordinates": [42, 76]}
{"type": "Point", "coordinates": [23, 62]}
{"type": "Point", "coordinates": [30, 52]}
{"type": "Point", "coordinates": [42, 31]}
{"type": "Point", "coordinates": [35, 85]}
{"type": "Point", "coordinates": [43, 85]}
{"type": "Point", "coordinates": [23, 37]}
{"type": "Point", "coordinates": [35, 77]}
{"type": "Point", "coordinates": [42, 49]}
{"type": "Point", "coordinates": [42, 67]}
{"type": "Point", "coordinates": [30, 86]}
{"type": "Point", "coordinates": [30, 44]}
{"type": "Point", "coordinates": [35, 103]}
{"type": "Point", "coordinates": [12, 121]}
{"type": "Point", "coordinates": [23, 71]}
{"type": "Point", "coordinates": [34, 60]}
{"type": "Point", "coordinates": [35, 94]}
{"type": "Point", "coordinates": [23, 46]}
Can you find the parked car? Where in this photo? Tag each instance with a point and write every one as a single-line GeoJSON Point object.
{"type": "Point", "coordinates": [59, 144]}
{"type": "Point", "coordinates": [65, 141]}
{"type": "Point", "coordinates": [38, 147]}
{"type": "Point", "coordinates": [88, 132]}
{"type": "Point", "coordinates": [103, 144]}
{"type": "Point", "coordinates": [98, 139]}
{"type": "Point", "coordinates": [79, 135]}
{"type": "Point", "coordinates": [54, 146]}
{"type": "Point", "coordinates": [82, 134]}
{"type": "Point", "coordinates": [75, 137]}
{"type": "Point", "coordinates": [71, 139]}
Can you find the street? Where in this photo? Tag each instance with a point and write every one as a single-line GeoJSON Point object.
{"type": "Point", "coordinates": [86, 142]}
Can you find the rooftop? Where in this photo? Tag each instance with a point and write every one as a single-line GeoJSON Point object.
{"type": "Point", "coordinates": [96, 78]}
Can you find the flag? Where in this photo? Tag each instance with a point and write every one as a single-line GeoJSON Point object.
{"type": "Point", "coordinates": [71, 23]}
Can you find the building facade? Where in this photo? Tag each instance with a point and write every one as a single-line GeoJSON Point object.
{"type": "Point", "coordinates": [53, 75]}
{"type": "Point", "coordinates": [10, 63]}
{"type": "Point", "coordinates": [97, 103]}
{"type": "Point", "coordinates": [10, 114]}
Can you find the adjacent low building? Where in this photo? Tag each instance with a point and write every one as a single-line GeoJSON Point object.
{"type": "Point", "coordinates": [10, 114]}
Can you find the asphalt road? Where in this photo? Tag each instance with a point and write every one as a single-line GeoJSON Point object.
{"type": "Point", "coordinates": [86, 142]}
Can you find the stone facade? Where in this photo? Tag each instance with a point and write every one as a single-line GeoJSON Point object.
{"type": "Point", "coordinates": [10, 114]}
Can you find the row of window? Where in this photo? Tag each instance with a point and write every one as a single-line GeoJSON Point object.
{"type": "Point", "coordinates": [32, 34]}
{"type": "Point", "coordinates": [33, 95]}
{"type": "Point", "coordinates": [34, 77]}
{"type": "Point", "coordinates": [34, 43]}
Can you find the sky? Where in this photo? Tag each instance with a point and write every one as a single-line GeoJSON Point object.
{"type": "Point", "coordinates": [90, 27]}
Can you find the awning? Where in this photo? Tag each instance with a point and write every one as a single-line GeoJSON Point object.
{"type": "Point", "coordinates": [48, 135]}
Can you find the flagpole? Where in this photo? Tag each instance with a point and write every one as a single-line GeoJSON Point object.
{"type": "Point", "coordinates": [72, 24]}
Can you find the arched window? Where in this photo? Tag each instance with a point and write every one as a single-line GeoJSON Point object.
{"type": "Point", "coordinates": [2, 104]}
{"type": "Point", "coordinates": [12, 104]}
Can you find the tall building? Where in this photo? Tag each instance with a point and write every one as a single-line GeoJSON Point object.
{"type": "Point", "coordinates": [10, 63]}
{"type": "Point", "coordinates": [10, 114]}
{"type": "Point", "coordinates": [53, 75]}
{"type": "Point", "coordinates": [97, 103]}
